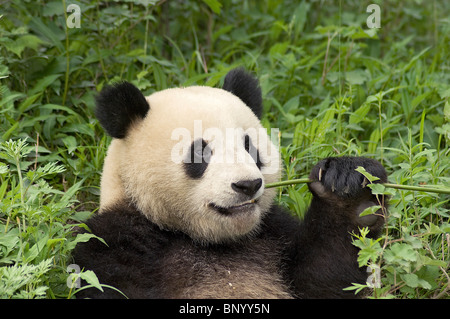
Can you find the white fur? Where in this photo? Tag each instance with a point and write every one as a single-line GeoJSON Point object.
{"type": "Point", "coordinates": [141, 166]}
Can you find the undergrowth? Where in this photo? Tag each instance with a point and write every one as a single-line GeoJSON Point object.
{"type": "Point", "coordinates": [332, 87]}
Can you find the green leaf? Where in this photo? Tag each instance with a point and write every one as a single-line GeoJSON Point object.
{"type": "Point", "coordinates": [324, 125]}
{"type": "Point", "coordinates": [17, 46]}
{"type": "Point", "coordinates": [425, 260]}
{"type": "Point", "coordinates": [278, 49]}
{"type": "Point", "coordinates": [70, 193]}
{"type": "Point", "coordinates": [415, 58]}
{"type": "Point", "coordinates": [368, 254]}
{"type": "Point", "coordinates": [432, 229]}
{"type": "Point", "coordinates": [214, 5]}
{"type": "Point", "coordinates": [364, 34]}
{"type": "Point", "coordinates": [414, 282]}
{"type": "Point", "coordinates": [418, 99]}
{"type": "Point", "coordinates": [30, 41]}
{"type": "Point", "coordinates": [380, 189]}
{"type": "Point", "coordinates": [447, 111]}
{"type": "Point", "coordinates": [28, 101]}
{"type": "Point", "coordinates": [49, 32]}
{"type": "Point", "coordinates": [445, 227]}
{"type": "Point", "coordinates": [355, 286]}
{"type": "Point", "coordinates": [401, 254]}
{"type": "Point", "coordinates": [82, 238]}
{"type": "Point", "coordinates": [43, 83]}
{"type": "Point", "coordinates": [71, 143]}
{"type": "Point", "coordinates": [300, 16]}
{"type": "Point", "coordinates": [91, 278]}
{"type": "Point", "coordinates": [370, 210]}
{"type": "Point", "coordinates": [360, 114]}
{"type": "Point", "coordinates": [9, 242]}
{"type": "Point", "coordinates": [3, 170]}
{"type": "Point", "coordinates": [366, 174]}
{"type": "Point", "coordinates": [54, 8]}
{"type": "Point", "coordinates": [36, 249]}
{"type": "Point", "coordinates": [52, 242]}
{"type": "Point", "coordinates": [430, 274]}
{"type": "Point", "coordinates": [58, 107]}
{"type": "Point", "coordinates": [356, 77]}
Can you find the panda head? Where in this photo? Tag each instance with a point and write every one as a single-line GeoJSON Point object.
{"type": "Point", "coordinates": [192, 159]}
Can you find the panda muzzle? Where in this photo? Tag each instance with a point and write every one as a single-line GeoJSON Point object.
{"type": "Point", "coordinates": [244, 207]}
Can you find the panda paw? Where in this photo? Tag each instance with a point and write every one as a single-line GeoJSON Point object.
{"type": "Point", "coordinates": [336, 177]}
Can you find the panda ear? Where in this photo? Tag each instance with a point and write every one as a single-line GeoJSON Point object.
{"type": "Point", "coordinates": [118, 106]}
{"type": "Point", "coordinates": [246, 87]}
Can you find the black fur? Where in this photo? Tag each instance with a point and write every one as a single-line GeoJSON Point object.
{"type": "Point", "coordinates": [316, 257]}
{"type": "Point", "coordinates": [339, 174]}
{"type": "Point", "coordinates": [253, 151]}
{"type": "Point", "coordinates": [118, 106]}
{"type": "Point", "coordinates": [245, 87]}
{"type": "Point", "coordinates": [197, 159]}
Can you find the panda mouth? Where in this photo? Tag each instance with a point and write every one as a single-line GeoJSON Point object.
{"type": "Point", "coordinates": [244, 207]}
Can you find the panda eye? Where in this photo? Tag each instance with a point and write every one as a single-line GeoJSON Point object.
{"type": "Point", "coordinates": [200, 151]}
{"type": "Point", "coordinates": [247, 143]}
{"type": "Point", "coordinates": [252, 150]}
{"type": "Point", "coordinates": [197, 159]}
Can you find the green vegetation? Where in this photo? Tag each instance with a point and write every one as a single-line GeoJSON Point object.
{"type": "Point", "coordinates": [331, 85]}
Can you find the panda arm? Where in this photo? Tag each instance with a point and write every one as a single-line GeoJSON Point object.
{"type": "Point", "coordinates": [129, 236]}
{"type": "Point", "coordinates": [321, 259]}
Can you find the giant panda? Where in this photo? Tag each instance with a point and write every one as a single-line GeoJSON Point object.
{"type": "Point", "coordinates": [182, 220]}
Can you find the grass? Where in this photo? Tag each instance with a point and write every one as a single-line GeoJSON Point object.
{"type": "Point", "coordinates": [331, 88]}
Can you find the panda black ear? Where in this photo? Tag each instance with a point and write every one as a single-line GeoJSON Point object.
{"type": "Point", "coordinates": [246, 87]}
{"type": "Point", "coordinates": [118, 106]}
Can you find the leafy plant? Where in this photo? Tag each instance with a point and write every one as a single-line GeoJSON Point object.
{"type": "Point", "coordinates": [38, 225]}
{"type": "Point", "coordinates": [331, 86]}
{"type": "Point", "coordinates": [414, 264]}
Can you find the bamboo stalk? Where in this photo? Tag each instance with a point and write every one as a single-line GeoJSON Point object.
{"type": "Point", "coordinates": [427, 189]}
{"type": "Point", "coordinates": [431, 189]}
{"type": "Point", "coordinates": [288, 182]}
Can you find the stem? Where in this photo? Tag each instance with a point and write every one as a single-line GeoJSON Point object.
{"type": "Point", "coordinates": [428, 189]}
{"type": "Point", "coordinates": [381, 128]}
{"type": "Point", "coordinates": [288, 182]}
{"type": "Point", "coordinates": [19, 171]}
{"type": "Point", "coordinates": [431, 189]}
{"type": "Point", "coordinates": [7, 224]}
{"type": "Point", "coordinates": [66, 80]}
{"type": "Point", "coordinates": [146, 35]}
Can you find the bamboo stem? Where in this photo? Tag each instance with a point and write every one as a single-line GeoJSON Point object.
{"type": "Point", "coordinates": [288, 182]}
{"type": "Point", "coordinates": [428, 189]}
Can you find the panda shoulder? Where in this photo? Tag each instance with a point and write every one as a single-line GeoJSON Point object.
{"type": "Point", "coordinates": [122, 224]}
{"type": "Point", "coordinates": [280, 223]}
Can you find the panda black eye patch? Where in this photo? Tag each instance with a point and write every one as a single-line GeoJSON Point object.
{"type": "Point", "coordinates": [252, 150]}
{"type": "Point", "coordinates": [197, 159]}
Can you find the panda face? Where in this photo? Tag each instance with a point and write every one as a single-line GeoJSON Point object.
{"type": "Point", "coordinates": [197, 163]}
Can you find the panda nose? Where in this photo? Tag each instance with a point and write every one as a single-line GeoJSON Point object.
{"type": "Point", "coordinates": [247, 187]}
